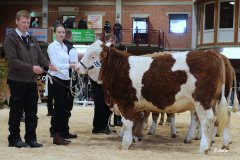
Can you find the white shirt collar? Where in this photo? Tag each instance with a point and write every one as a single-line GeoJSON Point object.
{"type": "Point", "coordinates": [58, 43]}
{"type": "Point", "coordinates": [20, 33]}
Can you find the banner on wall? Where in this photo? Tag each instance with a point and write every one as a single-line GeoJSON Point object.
{"type": "Point", "coordinates": [95, 22]}
{"type": "Point", "coordinates": [80, 35]}
{"type": "Point", "coordinates": [39, 33]}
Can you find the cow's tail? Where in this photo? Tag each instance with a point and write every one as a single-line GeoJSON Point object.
{"type": "Point", "coordinates": [222, 109]}
{"type": "Point", "coordinates": [235, 101]}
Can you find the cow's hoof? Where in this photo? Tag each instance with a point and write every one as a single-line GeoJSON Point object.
{"type": "Point", "coordinates": [187, 141]}
{"type": "Point", "coordinates": [160, 123]}
{"type": "Point", "coordinates": [206, 152]}
{"type": "Point", "coordinates": [125, 146]}
{"type": "Point", "coordinates": [197, 138]}
{"type": "Point", "coordinates": [212, 142]}
{"type": "Point", "coordinates": [174, 135]}
{"type": "Point", "coordinates": [225, 147]}
{"type": "Point", "coordinates": [137, 139]}
{"type": "Point", "coordinates": [150, 133]}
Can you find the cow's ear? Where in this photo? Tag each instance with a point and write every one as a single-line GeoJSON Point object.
{"type": "Point", "coordinates": [112, 45]}
{"type": "Point", "coordinates": [104, 51]}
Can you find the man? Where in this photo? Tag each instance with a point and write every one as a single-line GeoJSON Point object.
{"type": "Point", "coordinates": [82, 24]}
{"type": "Point", "coordinates": [35, 23]}
{"type": "Point", "coordinates": [24, 59]}
{"type": "Point", "coordinates": [107, 27]}
{"type": "Point", "coordinates": [117, 28]}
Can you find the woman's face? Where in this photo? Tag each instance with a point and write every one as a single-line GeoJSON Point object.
{"type": "Point", "coordinates": [60, 33]}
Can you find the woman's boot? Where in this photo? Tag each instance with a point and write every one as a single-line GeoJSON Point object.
{"type": "Point", "coordinates": [58, 140]}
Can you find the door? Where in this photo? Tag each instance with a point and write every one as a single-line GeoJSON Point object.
{"type": "Point", "coordinates": [140, 30]}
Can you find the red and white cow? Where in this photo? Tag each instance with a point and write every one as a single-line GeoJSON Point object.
{"type": "Point", "coordinates": [230, 78]}
{"type": "Point", "coordinates": [230, 82]}
{"type": "Point", "coordinates": [171, 83]}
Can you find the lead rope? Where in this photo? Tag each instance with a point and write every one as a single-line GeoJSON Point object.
{"type": "Point", "coordinates": [78, 86]}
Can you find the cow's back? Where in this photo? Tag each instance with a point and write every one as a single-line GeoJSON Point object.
{"type": "Point", "coordinates": [181, 78]}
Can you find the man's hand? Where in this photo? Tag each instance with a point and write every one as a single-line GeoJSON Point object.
{"type": "Point", "coordinates": [37, 69]}
{"type": "Point", "coordinates": [52, 67]}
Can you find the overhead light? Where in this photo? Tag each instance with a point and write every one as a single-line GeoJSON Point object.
{"type": "Point", "coordinates": [232, 3]}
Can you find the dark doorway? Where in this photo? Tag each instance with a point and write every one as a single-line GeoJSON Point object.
{"type": "Point", "coordinates": [140, 30]}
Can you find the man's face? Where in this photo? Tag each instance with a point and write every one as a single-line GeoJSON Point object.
{"type": "Point", "coordinates": [112, 40]}
{"type": "Point", "coordinates": [23, 24]}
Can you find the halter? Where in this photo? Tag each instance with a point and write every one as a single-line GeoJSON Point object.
{"type": "Point", "coordinates": [87, 68]}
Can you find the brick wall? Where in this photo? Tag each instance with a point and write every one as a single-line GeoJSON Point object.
{"type": "Point", "coordinates": [157, 18]}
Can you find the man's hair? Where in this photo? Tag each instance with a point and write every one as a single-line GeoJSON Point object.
{"type": "Point", "coordinates": [68, 34]}
{"type": "Point", "coordinates": [22, 13]}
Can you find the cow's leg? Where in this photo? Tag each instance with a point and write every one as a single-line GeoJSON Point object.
{"type": "Point", "coordinates": [121, 133]}
{"type": "Point", "coordinates": [199, 134]}
{"type": "Point", "coordinates": [173, 125]}
{"type": "Point", "coordinates": [193, 126]}
{"type": "Point", "coordinates": [138, 126]}
{"type": "Point", "coordinates": [205, 118]}
{"type": "Point", "coordinates": [168, 120]}
{"type": "Point", "coordinates": [145, 121]}
{"type": "Point", "coordinates": [127, 136]}
{"type": "Point", "coordinates": [161, 119]}
{"type": "Point", "coordinates": [154, 123]}
{"type": "Point", "coordinates": [226, 135]}
{"type": "Point", "coordinates": [215, 129]}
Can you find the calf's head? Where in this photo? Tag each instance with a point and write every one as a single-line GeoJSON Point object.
{"type": "Point", "coordinates": [91, 61]}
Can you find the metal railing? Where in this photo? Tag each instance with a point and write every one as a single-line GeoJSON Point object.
{"type": "Point", "coordinates": [139, 36]}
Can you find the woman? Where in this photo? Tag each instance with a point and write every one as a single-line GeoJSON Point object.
{"type": "Point", "coordinates": [58, 56]}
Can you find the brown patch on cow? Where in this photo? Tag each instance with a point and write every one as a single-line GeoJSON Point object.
{"type": "Point", "coordinates": [207, 69]}
{"type": "Point", "coordinates": [115, 62]}
{"type": "Point", "coordinates": [160, 84]}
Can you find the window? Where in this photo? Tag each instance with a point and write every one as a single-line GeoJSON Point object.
{"type": "Point", "coordinates": [178, 23]}
{"type": "Point", "coordinates": [226, 14]}
{"type": "Point", "coordinates": [209, 16]}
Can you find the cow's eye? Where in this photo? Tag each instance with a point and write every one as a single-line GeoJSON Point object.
{"type": "Point", "coordinates": [92, 57]}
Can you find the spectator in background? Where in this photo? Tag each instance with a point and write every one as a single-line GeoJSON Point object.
{"type": "Point", "coordinates": [117, 30]}
{"type": "Point", "coordinates": [107, 27]}
{"type": "Point", "coordinates": [35, 23]}
{"type": "Point", "coordinates": [82, 24]}
{"type": "Point", "coordinates": [68, 23]}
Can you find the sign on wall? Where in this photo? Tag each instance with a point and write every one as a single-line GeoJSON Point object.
{"type": "Point", "coordinates": [95, 21]}
{"type": "Point", "coordinates": [40, 34]}
{"type": "Point", "coordinates": [81, 35]}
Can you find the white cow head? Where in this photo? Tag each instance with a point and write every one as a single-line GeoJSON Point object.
{"type": "Point", "coordinates": [90, 63]}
